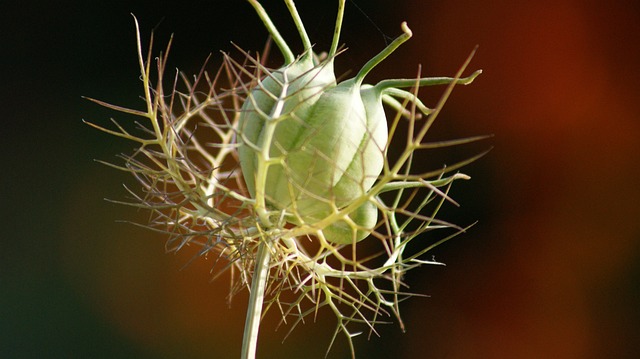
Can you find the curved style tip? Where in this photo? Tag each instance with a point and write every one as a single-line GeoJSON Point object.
{"type": "Point", "coordinates": [405, 29]}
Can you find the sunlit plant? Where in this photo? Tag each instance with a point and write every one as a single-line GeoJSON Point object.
{"type": "Point", "coordinates": [285, 175]}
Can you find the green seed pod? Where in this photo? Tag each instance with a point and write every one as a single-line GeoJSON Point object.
{"type": "Point", "coordinates": [329, 159]}
{"type": "Point", "coordinates": [309, 147]}
{"type": "Point", "coordinates": [332, 156]}
{"type": "Point", "coordinates": [323, 160]}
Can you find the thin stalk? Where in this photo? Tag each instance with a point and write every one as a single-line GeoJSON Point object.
{"type": "Point", "coordinates": [337, 29]}
{"type": "Point", "coordinates": [256, 298]}
{"type": "Point", "coordinates": [406, 35]}
{"type": "Point", "coordinates": [288, 55]}
{"type": "Point", "coordinates": [306, 42]}
{"type": "Point", "coordinates": [426, 81]}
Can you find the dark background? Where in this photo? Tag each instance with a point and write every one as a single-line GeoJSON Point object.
{"type": "Point", "coordinates": [552, 269]}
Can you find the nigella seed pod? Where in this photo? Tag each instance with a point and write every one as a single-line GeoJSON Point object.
{"type": "Point", "coordinates": [316, 133]}
{"type": "Point", "coordinates": [346, 137]}
{"type": "Point", "coordinates": [309, 148]}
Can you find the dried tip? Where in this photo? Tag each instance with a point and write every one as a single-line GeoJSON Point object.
{"type": "Point", "coordinates": [405, 29]}
{"type": "Point", "coordinates": [461, 176]}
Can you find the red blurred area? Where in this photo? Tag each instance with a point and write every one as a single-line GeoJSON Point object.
{"type": "Point", "coordinates": [560, 93]}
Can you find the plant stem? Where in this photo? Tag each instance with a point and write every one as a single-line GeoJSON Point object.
{"type": "Point", "coordinates": [289, 57]}
{"type": "Point", "coordinates": [406, 35]}
{"type": "Point", "coordinates": [256, 297]}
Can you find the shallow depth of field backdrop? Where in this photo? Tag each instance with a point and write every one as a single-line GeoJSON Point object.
{"type": "Point", "coordinates": [552, 269]}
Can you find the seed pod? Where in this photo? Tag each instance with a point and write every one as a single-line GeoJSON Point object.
{"type": "Point", "coordinates": [332, 156]}
{"type": "Point", "coordinates": [309, 148]}
{"type": "Point", "coordinates": [322, 158]}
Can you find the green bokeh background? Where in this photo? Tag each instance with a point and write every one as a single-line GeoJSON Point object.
{"type": "Point", "coordinates": [552, 269]}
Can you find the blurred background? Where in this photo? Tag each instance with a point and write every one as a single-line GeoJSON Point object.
{"type": "Point", "coordinates": [551, 269]}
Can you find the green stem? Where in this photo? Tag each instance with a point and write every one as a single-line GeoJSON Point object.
{"type": "Point", "coordinates": [256, 298]}
{"type": "Point", "coordinates": [406, 35]}
{"type": "Point", "coordinates": [337, 29]}
{"type": "Point", "coordinates": [426, 81]}
{"type": "Point", "coordinates": [306, 42]}
{"type": "Point", "coordinates": [273, 31]}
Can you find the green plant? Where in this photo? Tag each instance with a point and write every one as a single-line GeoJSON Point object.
{"type": "Point", "coordinates": [286, 175]}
